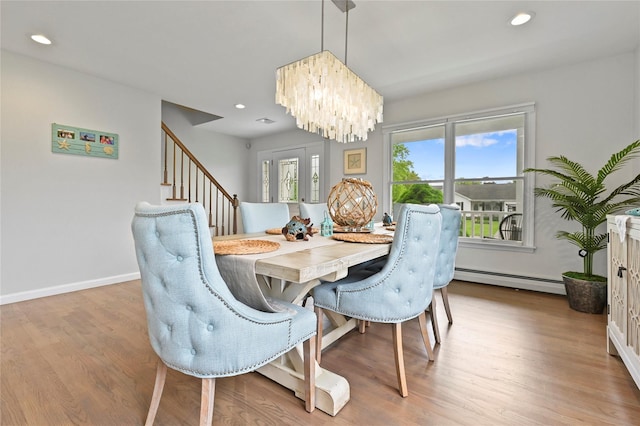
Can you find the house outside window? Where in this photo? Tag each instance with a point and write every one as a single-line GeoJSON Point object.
{"type": "Point", "coordinates": [474, 160]}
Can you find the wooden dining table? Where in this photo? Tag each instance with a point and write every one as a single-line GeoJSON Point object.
{"type": "Point", "coordinates": [289, 274]}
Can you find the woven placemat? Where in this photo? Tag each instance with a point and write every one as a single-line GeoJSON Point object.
{"type": "Point", "coordinates": [390, 228]}
{"type": "Point", "coordinates": [364, 238]}
{"type": "Point", "coordinates": [244, 246]}
{"type": "Point", "coordinates": [278, 231]}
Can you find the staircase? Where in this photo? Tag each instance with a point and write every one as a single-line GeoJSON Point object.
{"type": "Point", "coordinates": [190, 182]}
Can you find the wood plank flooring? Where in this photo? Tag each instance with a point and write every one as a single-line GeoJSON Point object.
{"type": "Point", "coordinates": [510, 358]}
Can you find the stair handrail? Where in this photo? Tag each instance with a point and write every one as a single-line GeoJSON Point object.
{"type": "Point", "coordinates": [233, 200]}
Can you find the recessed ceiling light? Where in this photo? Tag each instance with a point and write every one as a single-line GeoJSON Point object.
{"type": "Point", "coordinates": [39, 38]}
{"type": "Point", "coordinates": [240, 106]}
{"type": "Point", "coordinates": [522, 18]}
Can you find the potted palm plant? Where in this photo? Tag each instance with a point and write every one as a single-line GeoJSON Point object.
{"type": "Point", "coordinates": [582, 197]}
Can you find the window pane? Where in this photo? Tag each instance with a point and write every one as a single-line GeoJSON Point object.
{"type": "Point", "coordinates": [418, 154]}
{"type": "Point", "coordinates": [265, 181]}
{"type": "Point", "coordinates": [415, 193]}
{"type": "Point", "coordinates": [288, 180]}
{"type": "Point", "coordinates": [491, 209]}
{"type": "Point", "coordinates": [315, 178]}
{"type": "Point", "coordinates": [488, 147]}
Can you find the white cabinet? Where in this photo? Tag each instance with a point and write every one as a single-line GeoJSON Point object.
{"type": "Point", "coordinates": [623, 329]}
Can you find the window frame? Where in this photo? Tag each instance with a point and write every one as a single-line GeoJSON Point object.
{"type": "Point", "coordinates": [529, 110]}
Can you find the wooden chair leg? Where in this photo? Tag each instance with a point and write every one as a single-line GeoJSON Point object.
{"type": "Point", "coordinates": [361, 326]}
{"type": "Point", "coordinates": [434, 320]}
{"type": "Point", "coordinates": [309, 348]}
{"type": "Point", "coordinates": [319, 334]}
{"type": "Point", "coordinates": [399, 356]}
{"type": "Point", "coordinates": [161, 375]}
{"type": "Point", "coordinates": [422, 318]}
{"type": "Point", "coordinates": [206, 401]}
{"type": "Point", "coordinates": [445, 299]}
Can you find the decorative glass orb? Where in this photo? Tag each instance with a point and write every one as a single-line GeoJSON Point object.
{"type": "Point", "coordinates": [352, 203]}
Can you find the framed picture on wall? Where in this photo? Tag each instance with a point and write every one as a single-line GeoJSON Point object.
{"type": "Point", "coordinates": [355, 161]}
{"type": "Point", "coordinates": [89, 143]}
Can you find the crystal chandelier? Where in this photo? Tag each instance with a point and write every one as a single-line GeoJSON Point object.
{"type": "Point", "coordinates": [326, 97]}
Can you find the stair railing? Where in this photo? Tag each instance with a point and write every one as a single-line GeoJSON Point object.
{"type": "Point", "coordinates": [201, 186]}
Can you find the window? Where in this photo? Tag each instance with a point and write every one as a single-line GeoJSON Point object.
{"type": "Point", "coordinates": [288, 180]}
{"type": "Point", "coordinates": [264, 172]}
{"type": "Point", "coordinates": [475, 161]}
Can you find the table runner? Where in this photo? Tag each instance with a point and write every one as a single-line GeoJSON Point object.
{"type": "Point", "coordinates": [239, 271]}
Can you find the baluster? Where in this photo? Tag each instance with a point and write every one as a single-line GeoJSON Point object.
{"type": "Point", "coordinates": [210, 216]}
{"type": "Point", "coordinates": [189, 182]}
{"type": "Point", "coordinates": [196, 179]}
{"type": "Point", "coordinates": [173, 189]}
{"type": "Point", "coordinates": [165, 160]}
{"type": "Point", "coordinates": [181, 174]}
{"type": "Point", "coordinates": [217, 211]}
{"type": "Point", "coordinates": [204, 190]}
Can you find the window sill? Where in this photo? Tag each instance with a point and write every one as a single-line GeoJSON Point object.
{"type": "Point", "coordinates": [488, 244]}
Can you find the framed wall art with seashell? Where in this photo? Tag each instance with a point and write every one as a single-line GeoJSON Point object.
{"type": "Point", "coordinates": [90, 143]}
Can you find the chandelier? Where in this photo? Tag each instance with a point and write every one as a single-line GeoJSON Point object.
{"type": "Point", "coordinates": [326, 97]}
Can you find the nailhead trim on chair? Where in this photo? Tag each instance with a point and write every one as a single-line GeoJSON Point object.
{"type": "Point", "coordinates": [215, 294]}
{"type": "Point", "coordinates": [382, 279]}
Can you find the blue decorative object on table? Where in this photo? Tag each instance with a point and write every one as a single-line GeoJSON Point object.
{"type": "Point", "coordinates": [386, 220]}
{"type": "Point", "coordinates": [633, 212]}
{"type": "Point", "coordinates": [326, 228]}
{"type": "Point", "coordinates": [298, 229]}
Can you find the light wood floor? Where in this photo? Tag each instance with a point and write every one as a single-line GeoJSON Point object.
{"type": "Point", "coordinates": [510, 358]}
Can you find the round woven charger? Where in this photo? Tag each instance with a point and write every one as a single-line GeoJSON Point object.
{"type": "Point", "coordinates": [364, 238]}
{"type": "Point", "coordinates": [244, 246]}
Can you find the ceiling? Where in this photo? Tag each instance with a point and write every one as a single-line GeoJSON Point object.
{"type": "Point", "coordinates": [210, 55]}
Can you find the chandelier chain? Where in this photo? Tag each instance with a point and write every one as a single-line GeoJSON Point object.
{"type": "Point", "coordinates": [346, 31]}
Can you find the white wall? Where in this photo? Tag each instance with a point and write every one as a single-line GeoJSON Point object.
{"type": "Point", "coordinates": [65, 219]}
{"type": "Point", "coordinates": [586, 111]}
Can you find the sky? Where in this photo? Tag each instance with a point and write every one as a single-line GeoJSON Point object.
{"type": "Point", "coordinates": [478, 155]}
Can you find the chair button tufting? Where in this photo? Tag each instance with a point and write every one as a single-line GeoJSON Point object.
{"type": "Point", "coordinates": [179, 258]}
{"type": "Point", "coordinates": [157, 234]}
{"type": "Point", "coordinates": [189, 308]}
{"type": "Point", "coordinates": [210, 327]}
{"type": "Point", "coordinates": [193, 351]}
{"type": "Point", "coordinates": [169, 328]}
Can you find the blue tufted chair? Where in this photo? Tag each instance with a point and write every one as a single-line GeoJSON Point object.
{"type": "Point", "coordinates": [195, 324]}
{"type": "Point", "coordinates": [258, 217]}
{"type": "Point", "coordinates": [401, 291]}
{"type": "Point", "coordinates": [446, 262]}
{"type": "Point", "coordinates": [315, 212]}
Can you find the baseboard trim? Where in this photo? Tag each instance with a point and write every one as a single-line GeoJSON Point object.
{"type": "Point", "coordinates": [66, 288]}
{"type": "Point", "coordinates": [544, 285]}
{"type": "Point", "coordinates": [522, 282]}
